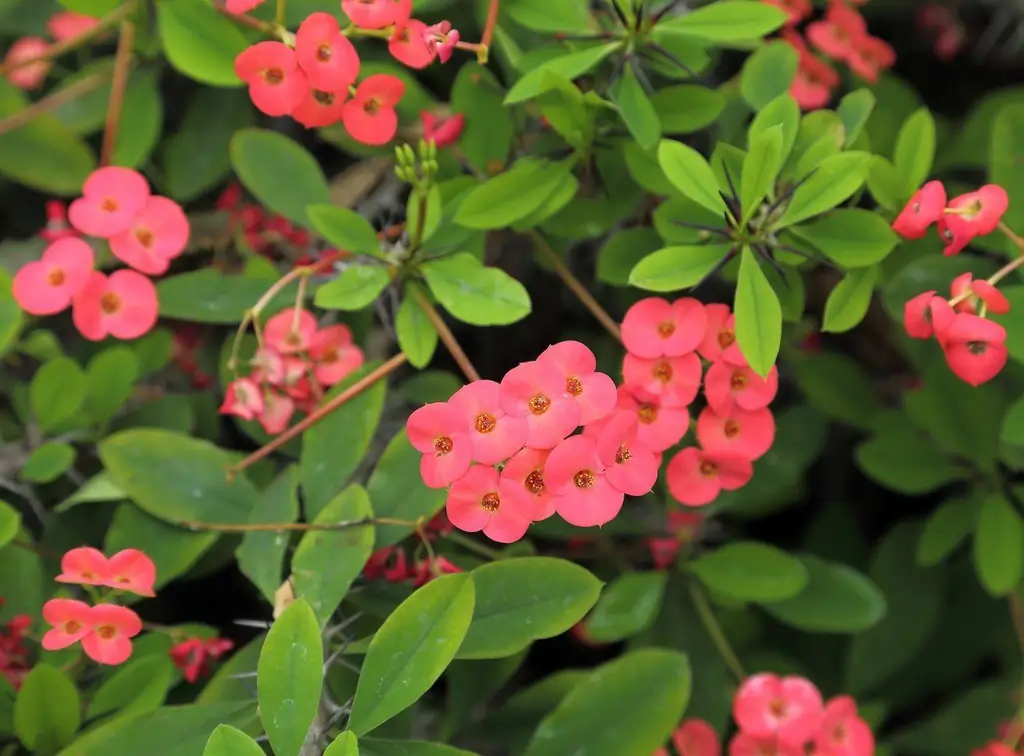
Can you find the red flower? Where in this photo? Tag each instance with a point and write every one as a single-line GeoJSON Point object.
{"type": "Point", "coordinates": [926, 314]}
{"type": "Point", "coordinates": [796, 10]}
{"type": "Point", "coordinates": [370, 115]}
{"type": "Point", "coordinates": [68, 24]}
{"type": "Point", "coordinates": [424, 571]}
{"type": "Point", "coordinates": [481, 501]}
{"type": "Point", "coordinates": [329, 60]}
{"type": "Point", "coordinates": [593, 392]}
{"type": "Point", "coordinates": [83, 566]}
{"type": "Point", "coordinates": [112, 628]}
{"type": "Point", "coordinates": [496, 435]}
{"type": "Point", "coordinates": [974, 348]}
{"type": "Point", "coordinates": [789, 708]}
{"type": "Point", "coordinates": [924, 208]}
{"type": "Point", "coordinates": [47, 286]}
{"type": "Point", "coordinates": [630, 465]}
{"type": "Point", "coordinates": [388, 563]}
{"type": "Point", "coordinates": [747, 433]}
{"type": "Point", "coordinates": [290, 331]}
{"type": "Point", "coordinates": [727, 386]}
{"type": "Point", "coordinates": [843, 732]}
{"type": "Point", "coordinates": [659, 427]}
{"type": "Point", "coordinates": [655, 328]}
{"type": "Point", "coordinates": [276, 83]}
{"type": "Point", "coordinates": [277, 412]}
{"type": "Point", "coordinates": [131, 570]}
{"type": "Point", "coordinates": [157, 235]}
{"type": "Point", "coordinates": [695, 737]}
{"type": "Point", "coordinates": [408, 46]}
{"type": "Point", "coordinates": [442, 433]}
{"type": "Point", "coordinates": [674, 380]}
{"type": "Point", "coordinates": [442, 132]}
{"type": "Point", "coordinates": [994, 300]}
{"type": "Point", "coordinates": [376, 14]}
{"type": "Point", "coordinates": [970, 215]}
{"type": "Point", "coordinates": [839, 33]}
{"type": "Point", "coordinates": [744, 744]}
{"type": "Point", "coordinates": [31, 75]}
{"type": "Point", "coordinates": [318, 109]}
{"type": "Point", "coordinates": [123, 306]}
{"type": "Point", "coordinates": [815, 79]}
{"type": "Point", "coordinates": [334, 354]}
{"type": "Point", "coordinates": [537, 391]}
{"type": "Point", "coordinates": [870, 56]}
{"type": "Point", "coordinates": [111, 199]}
{"type": "Point", "coordinates": [243, 399]}
{"type": "Point", "coordinates": [719, 339]}
{"type": "Point", "coordinates": [695, 478]}
{"type": "Point", "coordinates": [576, 475]}
{"type": "Point", "coordinates": [526, 469]}
{"type": "Point", "coordinates": [70, 621]}
{"type": "Point", "coordinates": [194, 655]}
{"type": "Point", "coordinates": [241, 6]}
{"type": "Point", "coordinates": [442, 38]}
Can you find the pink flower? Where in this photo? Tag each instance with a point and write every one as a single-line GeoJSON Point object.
{"type": "Point", "coordinates": [442, 433]}
{"type": "Point", "coordinates": [111, 199]}
{"type": "Point", "coordinates": [839, 32]}
{"type": "Point", "coordinates": [842, 732]}
{"type": "Point", "coordinates": [815, 79]}
{"type": "Point", "coordinates": [537, 391]}
{"type": "Point", "coordinates": [289, 331]}
{"type": "Point", "coordinates": [926, 314]}
{"type": "Point", "coordinates": [994, 748]}
{"type": "Point", "coordinates": [123, 306]}
{"type": "Point", "coordinates": [744, 744]}
{"type": "Point", "coordinates": [241, 6]}
{"type": "Point", "coordinates": [482, 501]}
{"type": "Point", "coordinates": [496, 436]}
{"type": "Point", "coordinates": [924, 208]}
{"type": "Point", "coordinates": [746, 433]}
{"type": "Point", "coordinates": [29, 75]}
{"type": "Point", "coordinates": [276, 83]}
{"type": "Point", "coordinates": [695, 737]}
{"type": "Point", "coordinates": [719, 339]}
{"type": "Point", "coordinates": [442, 39]}
{"type": "Point", "coordinates": [870, 56]}
{"type": "Point", "coordinates": [727, 386]}
{"type": "Point", "coordinates": [695, 478]}
{"type": "Point", "coordinates": [68, 25]}
{"type": "Point", "coordinates": [789, 708]}
{"type": "Point", "coordinates": [70, 621]}
{"type": "Point", "coordinates": [974, 348]}
{"type": "Point", "coordinates": [659, 427]}
{"type": "Point", "coordinates": [408, 46]}
{"type": "Point", "coordinates": [113, 627]}
{"type": "Point", "coordinates": [994, 300]}
{"type": "Point", "coordinates": [654, 328]}
{"type": "Point", "coordinates": [131, 570]}
{"type": "Point", "coordinates": [158, 234]}
{"type": "Point", "coordinates": [674, 380]}
{"type": "Point", "coordinates": [268, 364]}
{"type": "Point", "coordinates": [243, 399]}
{"type": "Point", "coordinates": [327, 57]}
{"type": "Point", "coordinates": [47, 286]}
{"type": "Point", "coordinates": [376, 14]}
{"type": "Point", "coordinates": [334, 355]}
{"type": "Point", "coordinates": [630, 465]}
{"type": "Point", "coordinates": [426, 570]}
{"type": "Point", "coordinates": [388, 563]}
{"type": "Point", "coordinates": [318, 109]}
{"type": "Point", "coordinates": [83, 566]}
{"type": "Point", "coordinates": [277, 412]}
{"type": "Point", "coordinates": [576, 475]}
{"type": "Point", "coordinates": [193, 656]}
{"type": "Point", "coordinates": [593, 392]}
{"type": "Point", "coordinates": [974, 214]}
{"type": "Point", "coordinates": [526, 469]}
{"type": "Point", "coordinates": [370, 116]}
{"type": "Point", "coordinates": [443, 132]}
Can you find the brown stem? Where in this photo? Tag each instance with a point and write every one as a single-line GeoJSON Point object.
{"type": "Point", "coordinates": [489, 24]}
{"type": "Point", "coordinates": [262, 527]}
{"type": "Point", "coordinates": [115, 106]}
{"type": "Point", "coordinates": [575, 286]}
{"type": "Point", "coordinates": [320, 413]}
{"type": "Point", "coordinates": [446, 335]}
{"type": "Point", "coordinates": [51, 102]}
{"type": "Point", "coordinates": [245, 19]}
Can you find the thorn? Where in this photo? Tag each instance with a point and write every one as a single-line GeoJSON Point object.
{"type": "Point", "coordinates": [618, 12]}
{"type": "Point", "coordinates": [717, 267]}
{"type": "Point", "coordinates": [674, 60]}
{"type": "Point", "coordinates": [660, 14]}
{"type": "Point", "coordinates": [701, 227]}
{"type": "Point", "coordinates": [787, 194]}
{"type": "Point", "coordinates": [807, 256]}
{"type": "Point", "coordinates": [766, 254]}
{"type": "Point", "coordinates": [258, 624]}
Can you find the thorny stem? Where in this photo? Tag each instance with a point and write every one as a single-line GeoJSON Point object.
{"type": "Point", "coordinates": [320, 413]}
{"type": "Point", "coordinates": [122, 68]}
{"type": "Point", "coordinates": [575, 286]}
{"type": "Point", "coordinates": [51, 102]}
{"type": "Point", "coordinates": [275, 527]}
{"type": "Point", "coordinates": [447, 337]}
{"type": "Point", "coordinates": [715, 632]}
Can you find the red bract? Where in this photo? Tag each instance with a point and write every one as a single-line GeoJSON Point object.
{"type": "Point", "coordinates": [157, 235]}
{"type": "Point", "coordinates": [388, 563]}
{"type": "Point", "coordinates": [290, 331]}
{"type": "Point", "coordinates": [727, 386]}
{"type": "Point", "coordinates": [131, 570]}
{"type": "Point", "coordinates": [695, 737]}
{"type": "Point", "coordinates": [443, 132]}
{"type": "Point", "coordinates": [743, 744]}
{"type": "Point", "coordinates": [241, 6]}
{"type": "Point", "coordinates": [695, 478]}
{"type": "Point", "coordinates": [426, 570]}
{"type": "Point", "coordinates": [276, 83]}
{"type": "Point", "coordinates": [496, 435]}
{"type": "Point", "coordinates": [994, 300]}
{"type": "Point", "coordinates": [318, 109]}
{"type": "Point", "coordinates": [376, 14]}
{"type": "Point", "coordinates": [113, 627]}
{"type": "Point", "coordinates": [481, 500]}
{"type": "Point", "coordinates": [83, 566]}
{"type": "Point", "coordinates": [974, 348]}
{"type": "Point", "coordinates": [995, 748]}
{"type": "Point", "coordinates": [925, 314]}
{"type": "Point", "coordinates": [748, 434]}
{"type": "Point", "coordinates": [674, 380]}
{"type": "Point", "coordinates": [277, 412]}
{"type": "Point", "coordinates": [839, 32]}
{"type": "Point", "coordinates": [30, 75]}
{"type": "Point", "coordinates": [719, 339]}
{"type": "Point", "coordinates": [796, 10]}
{"type": "Point", "coordinates": [111, 199]}
{"type": "Point", "coordinates": [593, 392]}
{"type": "Point", "coordinates": [334, 354]}
{"type": "Point", "coordinates": [870, 56]}
{"type": "Point", "coordinates": [68, 24]}
{"type": "Point", "coordinates": [843, 733]}
{"type": "Point", "coordinates": [370, 116]}
{"type": "Point", "coordinates": [123, 306]}
{"type": "Point", "coordinates": [659, 427]}
{"type": "Point", "coordinates": [70, 621]}
{"type": "Point", "coordinates": [972, 214]}
{"type": "Point", "coordinates": [48, 285]}
{"type": "Point", "coordinates": [924, 208]}
{"type": "Point", "coordinates": [243, 399]}
{"type": "Point", "coordinates": [329, 60]}
{"type": "Point", "coordinates": [789, 708]}
{"type": "Point", "coordinates": [537, 391]}
{"type": "Point", "coordinates": [14, 656]}
{"type": "Point", "coordinates": [442, 433]}
{"type": "Point", "coordinates": [576, 475]}
{"type": "Point", "coordinates": [630, 465]}
{"type": "Point", "coordinates": [408, 46]}
{"type": "Point", "coordinates": [655, 328]}
{"type": "Point", "coordinates": [526, 469]}
{"type": "Point", "coordinates": [442, 38]}
{"type": "Point", "coordinates": [815, 79]}
{"type": "Point", "coordinates": [195, 655]}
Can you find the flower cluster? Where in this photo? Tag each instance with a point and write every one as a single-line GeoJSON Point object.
{"type": "Point", "coordinates": [392, 564]}
{"type": "Point", "coordinates": [947, 33]}
{"type": "Point", "coordinates": [143, 230]}
{"type": "Point", "coordinates": [842, 36]}
{"type": "Point", "coordinates": [312, 74]}
{"type": "Point", "coordinates": [104, 629]}
{"type": "Point", "coordinates": [14, 664]}
{"type": "Point", "coordinates": [662, 372]}
{"type": "Point", "coordinates": [194, 656]}
{"type": "Point", "coordinates": [27, 56]}
{"type": "Point", "coordinates": [973, 345]}
{"type": "Point", "coordinates": [295, 361]}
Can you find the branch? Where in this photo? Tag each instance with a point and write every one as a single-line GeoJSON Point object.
{"type": "Point", "coordinates": [279, 527]}
{"type": "Point", "coordinates": [52, 102]}
{"type": "Point", "coordinates": [115, 106]}
{"type": "Point", "coordinates": [446, 335]}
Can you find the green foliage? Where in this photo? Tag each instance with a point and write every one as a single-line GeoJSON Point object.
{"type": "Point", "coordinates": [915, 150]}
{"type": "Point", "coordinates": [200, 42]}
{"type": "Point", "coordinates": [46, 712]}
{"type": "Point", "coordinates": [227, 741]}
{"type": "Point", "coordinates": [475, 293]}
{"type": "Point", "coordinates": [768, 73]}
{"type": "Point", "coordinates": [735, 21]}
{"type": "Point", "coordinates": [209, 296]}
{"type": "Point", "coordinates": [690, 174]}
{"type": "Point", "coordinates": [999, 546]}
{"type": "Point", "coordinates": [627, 607]}
{"type": "Point", "coordinates": [849, 301]}
{"type": "Point", "coordinates": [261, 553]}
{"type": "Point", "coordinates": [751, 571]}
{"type": "Point", "coordinates": [833, 181]}
{"type": "Point", "coordinates": [758, 315]}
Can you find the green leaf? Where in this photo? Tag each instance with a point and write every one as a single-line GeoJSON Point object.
{"type": "Point", "coordinates": [913, 597]}
{"type": "Point", "coordinates": [417, 336]}
{"type": "Point", "coordinates": [210, 296]}
{"type": "Point", "coordinates": [758, 316]}
{"type": "Point", "coordinates": [397, 490]}
{"type": "Point", "coordinates": [10, 523]}
{"type": "Point", "coordinates": [760, 169]}
{"type": "Point", "coordinates": [675, 268]}
{"type": "Point", "coordinates": [200, 42]}
{"type": "Point", "coordinates": [591, 719]}
{"type": "Point", "coordinates": [837, 599]}
{"type": "Point", "coordinates": [474, 293]}
{"type": "Point", "coordinates": [959, 726]}
{"type": "Point", "coordinates": [94, 8]}
{"type": "Point", "coordinates": [627, 607]}
{"type": "Point", "coordinates": [686, 108]}
{"type": "Point", "coordinates": [142, 120]}
{"type": "Point", "coordinates": [782, 111]}
{"type": "Point", "coordinates": [570, 66]}
{"type": "Point", "coordinates": [636, 109]}
{"type": "Point", "coordinates": [690, 174]}
{"type": "Point", "coordinates": [513, 195]}
{"type": "Point", "coordinates": [487, 134]}
{"type": "Point", "coordinates": [853, 238]}
{"type": "Point", "coordinates": [227, 741]}
{"type": "Point", "coordinates": [999, 546]}
{"type": "Point", "coordinates": [57, 393]}
{"type": "Point", "coordinates": [281, 174]}
{"type": "Point", "coordinates": [915, 150]}
{"type": "Point", "coordinates": [111, 376]}
{"type": "Point", "coordinates": [48, 462]}
{"type": "Point", "coordinates": [1005, 155]}
{"type": "Point", "coordinates": [289, 677]}
{"type": "Point", "coordinates": [345, 229]}
{"type": "Point", "coordinates": [46, 712]}
{"type": "Point", "coordinates": [177, 478]}
{"type": "Point", "coordinates": [854, 110]}
{"type": "Point", "coordinates": [1013, 325]}
{"type": "Point", "coordinates": [327, 561]}
{"type": "Point", "coordinates": [411, 650]}
{"type": "Point", "coordinates": [261, 553]}
{"type": "Point", "coordinates": [947, 527]}
{"type": "Point", "coordinates": [736, 21]}
{"type": "Point", "coordinates": [355, 287]}
{"type": "Point", "coordinates": [849, 300]}
{"type": "Point", "coordinates": [374, 747]}
{"type": "Point", "coordinates": [522, 600]}
{"type": "Point", "coordinates": [839, 386]}
{"type": "Point", "coordinates": [1013, 425]}
{"type": "Point", "coordinates": [751, 571]}
{"type": "Point", "coordinates": [902, 459]}
{"type": "Point", "coordinates": [542, 16]}
{"type": "Point", "coordinates": [768, 73]}
{"type": "Point", "coordinates": [11, 316]}
{"type": "Point", "coordinates": [833, 181]}
{"type": "Point", "coordinates": [885, 184]}
{"type": "Point", "coordinates": [621, 251]}
{"type": "Point", "coordinates": [345, 744]}
{"type": "Point", "coordinates": [139, 686]}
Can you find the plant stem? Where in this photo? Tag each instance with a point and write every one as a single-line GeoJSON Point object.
{"type": "Point", "coordinates": [282, 6]}
{"type": "Point", "coordinates": [714, 631]}
{"type": "Point", "coordinates": [446, 334]}
{"type": "Point", "coordinates": [246, 20]}
{"type": "Point", "coordinates": [51, 102]}
{"type": "Point", "coordinates": [320, 413]}
{"type": "Point", "coordinates": [263, 527]}
{"type": "Point", "coordinates": [575, 286]}
{"type": "Point", "coordinates": [489, 24]}
{"type": "Point", "coordinates": [476, 547]}
{"type": "Point", "coordinates": [115, 106]}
